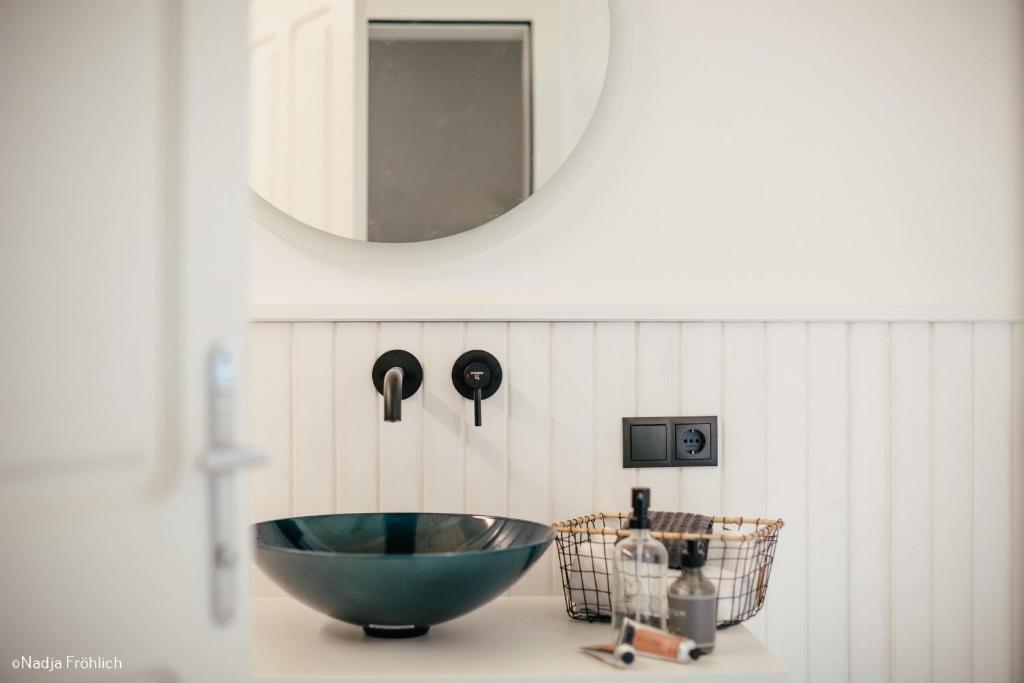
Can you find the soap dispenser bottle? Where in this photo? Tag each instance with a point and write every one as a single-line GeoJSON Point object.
{"type": "Point", "coordinates": [692, 607]}
{"type": "Point", "coordinates": [640, 570]}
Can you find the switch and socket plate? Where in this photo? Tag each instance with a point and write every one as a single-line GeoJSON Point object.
{"type": "Point", "coordinates": [666, 441]}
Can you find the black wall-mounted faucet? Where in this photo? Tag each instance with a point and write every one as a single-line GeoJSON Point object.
{"type": "Point", "coordinates": [397, 375]}
{"type": "Point", "coordinates": [476, 375]}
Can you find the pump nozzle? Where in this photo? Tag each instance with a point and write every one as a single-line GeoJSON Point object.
{"type": "Point", "coordinates": [694, 556]}
{"type": "Point", "coordinates": [641, 504]}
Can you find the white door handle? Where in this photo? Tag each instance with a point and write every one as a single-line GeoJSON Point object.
{"type": "Point", "coordinates": [226, 461]}
{"type": "Point", "coordinates": [221, 463]}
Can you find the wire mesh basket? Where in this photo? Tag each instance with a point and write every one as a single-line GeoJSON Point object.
{"type": "Point", "coordinates": [739, 553]}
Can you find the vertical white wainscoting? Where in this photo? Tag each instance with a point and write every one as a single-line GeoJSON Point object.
{"type": "Point", "coordinates": [894, 451]}
{"type": "Point", "coordinates": [444, 422]}
{"type": "Point", "coordinates": [528, 374]}
{"type": "Point", "coordinates": [953, 457]}
{"type": "Point", "coordinates": [828, 503]}
{"type": "Point", "coordinates": [614, 398]}
{"type": "Point", "coordinates": [742, 440]}
{"type": "Point", "coordinates": [270, 428]}
{"type": "Point", "coordinates": [742, 456]}
{"type": "Point", "coordinates": [993, 422]}
{"type": "Point", "coordinates": [870, 503]}
{"type": "Point", "coordinates": [912, 473]}
{"type": "Point", "coordinates": [785, 486]}
{"type": "Point", "coordinates": [1017, 499]}
{"type": "Point", "coordinates": [572, 423]}
{"type": "Point", "coordinates": [870, 588]}
{"type": "Point", "coordinates": [313, 489]}
{"type": "Point", "coordinates": [357, 417]}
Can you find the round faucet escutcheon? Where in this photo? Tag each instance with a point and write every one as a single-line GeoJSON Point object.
{"type": "Point", "coordinates": [396, 372]}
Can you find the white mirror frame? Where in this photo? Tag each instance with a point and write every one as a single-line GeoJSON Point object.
{"type": "Point", "coordinates": [342, 250]}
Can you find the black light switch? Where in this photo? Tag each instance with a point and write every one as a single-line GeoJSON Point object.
{"type": "Point", "coordinates": [648, 442]}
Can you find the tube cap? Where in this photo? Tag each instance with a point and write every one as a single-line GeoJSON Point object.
{"type": "Point", "coordinates": [641, 504]}
{"type": "Point", "coordinates": [688, 651]}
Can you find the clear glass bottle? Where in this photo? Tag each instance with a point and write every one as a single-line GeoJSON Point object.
{"type": "Point", "coordinates": [640, 570]}
{"type": "Point", "coordinates": [692, 603]}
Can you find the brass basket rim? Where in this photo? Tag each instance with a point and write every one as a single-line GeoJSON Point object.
{"type": "Point", "coordinates": [766, 527]}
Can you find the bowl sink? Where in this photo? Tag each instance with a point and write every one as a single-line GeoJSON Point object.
{"type": "Point", "coordinates": [398, 574]}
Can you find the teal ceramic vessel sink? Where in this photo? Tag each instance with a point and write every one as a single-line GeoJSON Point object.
{"type": "Point", "coordinates": [398, 574]}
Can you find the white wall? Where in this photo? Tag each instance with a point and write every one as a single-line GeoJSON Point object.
{"type": "Point", "coordinates": [791, 158]}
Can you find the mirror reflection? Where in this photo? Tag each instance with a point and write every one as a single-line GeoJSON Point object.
{"type": "Point", "coordinates": [411, 120]}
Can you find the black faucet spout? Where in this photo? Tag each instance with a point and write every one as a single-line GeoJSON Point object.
{"type": "Point", "coordinates": [393, 394]}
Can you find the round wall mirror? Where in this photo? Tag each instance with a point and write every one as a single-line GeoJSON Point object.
{"type": "Point", "coordinates": [411, 120]}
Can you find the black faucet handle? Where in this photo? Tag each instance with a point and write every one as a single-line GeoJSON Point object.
{"type": "Point", "coordinates": [476, 376]}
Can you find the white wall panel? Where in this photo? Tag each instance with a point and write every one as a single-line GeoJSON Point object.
{"type": "Point", "coordinates": [313, 488]}
{"type": "Point", "coordinates": [357, 417]}
{"type": "Point", "coordinates": [614, 399]}
{"type": "Point", "coordinates": [742, 438]}
{"type": "Point", "coordinates": [892, 450]}
{"type": "Point", "coordinates": [444, 421]}
{"type": "Point", "coordinates": [953, 519]}
{"type": "Point", "coordinates": [528, 375]}
{"type": "Point", "coordinates": [572, 421]}
{"type": "Point", "coordinates": [870, 503]}
{"type": "Point", "coordinates": [572, 438]}
{"type": "Point", "coordinates": [993, 433]}
{"type": "Point", "coordinates": [743, 429]}
{"type": "Point", "coordinates": [828, 503]}
{"type": "Point", "coordinates": [912, 509]}
{"type": "Point", "coordinates": [1018, 502]}
{"type": "Point", "coordinates": [785, 483]}
{"type": "Point", "coordinates": [269, 429]}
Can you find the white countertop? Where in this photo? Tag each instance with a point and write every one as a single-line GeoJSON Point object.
{"type": "Point", "coordinates": [510, 640]}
